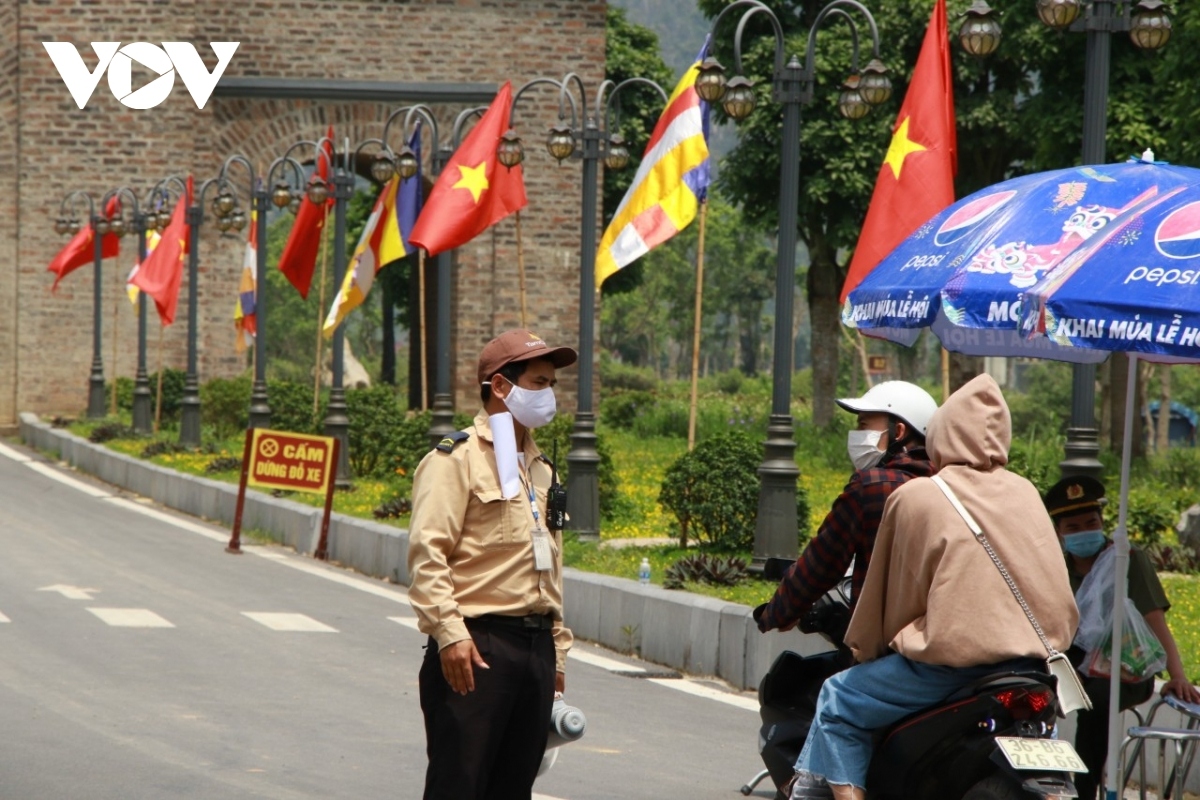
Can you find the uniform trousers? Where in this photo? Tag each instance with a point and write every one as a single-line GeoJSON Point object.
{"type": "Point", "coordinates": [488, 744]}
{"type": "Point", "coordinates": [1091, 729]}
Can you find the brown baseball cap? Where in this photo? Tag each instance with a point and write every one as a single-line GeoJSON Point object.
{"type": "Point", "coordinates": [520, 345]}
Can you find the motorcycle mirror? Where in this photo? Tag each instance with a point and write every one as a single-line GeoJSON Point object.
{"type": "Point", "coordinates": [774, 568]}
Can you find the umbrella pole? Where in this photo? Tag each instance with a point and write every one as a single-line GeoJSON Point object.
{"type": "Point", "coordinates": [1121, 570]}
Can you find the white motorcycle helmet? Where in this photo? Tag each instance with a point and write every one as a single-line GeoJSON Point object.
{"type": "Point", "coordinates": [906, 401]}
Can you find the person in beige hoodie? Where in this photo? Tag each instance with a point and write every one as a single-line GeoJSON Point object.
{"type": "Point", "coordinates": [935, 614]}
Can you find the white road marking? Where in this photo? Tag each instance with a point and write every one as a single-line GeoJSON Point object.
{"type": "Point", "coordinates": [4, 618]}
{"type": "Point", "coordinates": [288, 622]}
{"type": "Point", "coordinates": [408, 622]}
{"type": "Point", "coordinates": [154, 513]}
{"type": "Point", "coordinates": [396, 595]}
{"type": "Point", "coordinates": [53, 474]}
{"type": "Point", "coordinates": [610, 664]}
{"type": "Point", "coordinates": [70, 592]}
{"type": "Point", "coordinates": [536, 796]}
{"type": "Point", "coordinates": [700, 690]}
{"type": "Point", "coordinates": [131, 618]}
{"type": "Point", "coordinates": [15, 455]}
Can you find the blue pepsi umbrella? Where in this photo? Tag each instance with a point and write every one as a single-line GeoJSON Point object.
{"type": "Point", "coordinates": [1134, 287]}
{"type": "Point", "coordinates": [963, 272]}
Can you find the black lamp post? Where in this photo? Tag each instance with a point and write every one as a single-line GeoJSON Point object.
{"type": "Point", "coordinates": [118, 227]}
{"type": "Point", "coordinates": [225, 205]}
{"type": "Point", "coordinates": [775, 530]}
{"type": "Point", "coordinates": [1149, 27]}
{"type": "Point", "coordinates": [404, 162]}
{"type": "Point", "coordinates": [100, 227]}
{"type": "Point", "coordinates": [598, 142]}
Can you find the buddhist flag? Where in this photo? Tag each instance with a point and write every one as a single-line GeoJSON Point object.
{"type": "Point", "coordinates": [304, 241]}
{"type": "Point", "coordinates": [474, 191]}
{"type": "Point", "coordinates": [916, 180]}
{"type": "Point", "coordinates": [80, 250]}
{"type": "Point", "coordinates": [385, 238]}
{"type": "Point", "coordinates": [162, 271]}
{"type": "Point", "coordinates": [244, 317]}
{"type": "Point", "coordinates": [670, 183]}
{"type": "Point", "coordinates": [131, 288]}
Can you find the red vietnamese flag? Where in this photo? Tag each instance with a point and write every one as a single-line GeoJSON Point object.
{"type": "Point", "coordinates": [300, 253]}
{"type": "Point", "coordinates": [80, 250]}
{"type": "Point", "coordinates": [162, 271]}
{"type": "Point", "coordinates": [474, 191]}
{"type": "Point", "coordinates": [916, 180]}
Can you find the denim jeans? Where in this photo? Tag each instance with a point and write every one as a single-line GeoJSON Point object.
{"type": "Point", "coordinates": [856, 702]}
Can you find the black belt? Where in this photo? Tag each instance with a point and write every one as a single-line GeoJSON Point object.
{"type": "Point", "coordinates": [540, 622]}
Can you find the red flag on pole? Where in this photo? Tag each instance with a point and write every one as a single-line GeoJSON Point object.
{"type": "Point", "coordinates": [79, 251]}
{"type": "Point", "coordinates": [162, 271]}
{"type": "Point", "coordinates": [300, 252]}
{"type": "Point", "coordinates": [474, 191]}
{"type": "Point", "coordinates": [916, 180]}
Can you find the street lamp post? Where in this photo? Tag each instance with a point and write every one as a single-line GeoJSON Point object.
{"type": "Point", "coordinates": [226, 205]}
{"type": "Point", "coordinates": [118, 227]}
{"type": "Point", "coordinates": [776, 525]}
{"type": "Point", "coordinates": [100, 226]}
{"type": "Point", "coordinates": [1149, 27]}
{"type": "Point", "coordinates": [590, 136]}
{"type": "Point", "coordinates": [189, 404]}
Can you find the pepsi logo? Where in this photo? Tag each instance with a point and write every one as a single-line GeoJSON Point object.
{"type": "Point", "coordinates": [969, 216]}
{"type": "Point", "coordinates": [1178, 235]}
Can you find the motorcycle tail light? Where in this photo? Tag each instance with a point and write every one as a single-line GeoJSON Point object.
{"type": "Point", "coordinates": [1025, 703]}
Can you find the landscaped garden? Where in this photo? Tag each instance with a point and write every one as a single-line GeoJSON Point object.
{"type": "Point", "coordinates": [691, 515]}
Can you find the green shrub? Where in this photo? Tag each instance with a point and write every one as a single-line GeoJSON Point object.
{"type": "Point", "coordinates": [617, 375]}
{"type": "Point", "coordinates": [172, 391]}
{"type": "Point", "coordinates": [621, 409]}
{"type": "Point", "coordinates": [292, 407]}
{"type": "Point", "coordinates": [1152, 513]}
{"type": "Point", "coordinates": [705, 568]}
{"type": "Point", "coordinates": [124, 393]}
{"type": "Point", "coordinates": [666, 417]}
{"type": "Point", "coordinates": [730, 382]}
{"type": "Point", "coordinates": [108, 431]}
{"type": "Point", "coordinates": [558, 433]}
{"type": "Point", "coordinates": [375, 422]}
{"type": "Point", "coordinates": [225, 405]}
{"type": "Point", "coordinates": [713, 491]}
{"type": "Point", "coordinates": [1037, 457]}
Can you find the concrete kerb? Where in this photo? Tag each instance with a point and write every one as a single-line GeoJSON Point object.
{"type": "Point", "coordinates": [696, 634]}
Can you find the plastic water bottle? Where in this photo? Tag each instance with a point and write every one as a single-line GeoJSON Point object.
{"type": "Point", "coordinates": [567, 724]}
{"type": "Point", "coordinates": [644, 572]}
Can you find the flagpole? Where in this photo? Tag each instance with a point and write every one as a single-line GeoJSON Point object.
{"type": "Point", "coordinates": [320, 317]}
{"type": "Point", "coordinates": [421, 312]}
{"type": "Point", "coordinates": [162, 329]}
{"type": "Point", "coordinates": [696, 324]}
{"type": "Point", "coordinates": [116, 319]}
{"type": "Point", "coordinates": [521, 270]}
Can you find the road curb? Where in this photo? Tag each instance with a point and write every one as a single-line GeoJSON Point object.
{"type": "Point", "coordinates": [692, 633]}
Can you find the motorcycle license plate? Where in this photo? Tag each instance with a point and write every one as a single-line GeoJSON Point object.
{"type": "Point", "coordinates": [1041, 754]}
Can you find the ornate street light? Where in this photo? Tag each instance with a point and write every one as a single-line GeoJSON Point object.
{"type": "Point", "coordinates": [710, 80]}
{"type": "Point", "coordinates": [116, 226]}
{"type": "Point", "coordinates": [776, 524]}
{"type": "Point", "coordinates": [510, 152]}
{"type": "Point", "coordinates": [980, 31]}
{"type": "Point", "coordinates": [617, 155]}
{"type": "Point", "coordinates": [282, 195]}
{"type": "Point", "coordinates": [1150, 27]}
{"type": "Point", "coordinates": [1058, 14]}
{"type": "Point", "coordinates": [382, 168]}
{"type": "Point", "coordinates": [95, 405]}
{"type": "Point", "coordinates": [224, 203]}
{"type": "Point", "coordinates": [238, 219]}
{"type": "Point", "coordinates": [62, 225]}
{"type": "Point", "coordinates": [318, 191]}
{"type": "Point", "coordinates": [560, 142]}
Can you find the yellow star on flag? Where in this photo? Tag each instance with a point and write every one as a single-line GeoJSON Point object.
{"type": "Point", "coordinates": [474, 179]}
{"type": "Point", "coordinates": [900, 147]}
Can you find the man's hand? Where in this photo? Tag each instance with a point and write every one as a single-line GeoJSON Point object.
{"type": "Point", "coordinates": [1183, 689]}
{"type": "Point", "coordinates": [560, 682]}
{"type": "Point", "coordinates": [458, 660]}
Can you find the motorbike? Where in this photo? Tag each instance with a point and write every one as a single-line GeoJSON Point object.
{"type": "Point", "coordinates": [993, 740]}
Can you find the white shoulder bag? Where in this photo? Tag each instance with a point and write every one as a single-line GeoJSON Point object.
{"type": "Point", "coordinates": [1071, 696]}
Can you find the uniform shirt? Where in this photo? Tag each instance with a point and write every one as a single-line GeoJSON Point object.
{"type": "Point", "coordinates": [470, 551]}
{"type": "Point", "coordinates": [847, 534]}
{"type": "Point", "coordinates": [1145, 590]}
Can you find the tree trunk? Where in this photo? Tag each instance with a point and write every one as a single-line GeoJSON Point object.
{"type": "Point", "coordinates": [963, 369]}
{"type": "Point", "coordinates": [1141, 432]}
{"type": "Point", "coordinates": [824, 286]}
{"type": "Point", "coordinates": [1118, 386]}
{"type": "Point", "coordinates": [1162, 439]}
{"type": "Point", "coordinates": [1104, 374]}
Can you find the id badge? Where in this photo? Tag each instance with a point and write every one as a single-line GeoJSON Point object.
{"type": "Point", "coordinates": [543, 559]}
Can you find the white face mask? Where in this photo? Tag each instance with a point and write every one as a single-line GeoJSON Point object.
{"type": "Point", "coordinates": [863, 447]}
{"type": "Point", "coordinates": [533, 408]}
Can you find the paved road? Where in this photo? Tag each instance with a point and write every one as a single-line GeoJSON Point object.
{"type": "Point", "coordinates": [139, 660]}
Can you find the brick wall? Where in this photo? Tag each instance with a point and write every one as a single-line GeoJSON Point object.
{"type": "Point", "coordinates": [45, 340]}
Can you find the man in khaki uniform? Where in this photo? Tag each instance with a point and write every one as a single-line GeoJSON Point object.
{"type": "Point", "coordinates": [486, 583]}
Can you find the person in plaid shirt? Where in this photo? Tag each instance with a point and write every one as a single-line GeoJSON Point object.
{"type": "Point", "coordinates": [888, 449]}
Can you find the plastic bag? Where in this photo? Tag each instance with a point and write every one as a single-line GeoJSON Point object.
{"type": "Point", "coordinates": [1142, 655]}
{"type": "Point", "coordinates": [1095, 601]}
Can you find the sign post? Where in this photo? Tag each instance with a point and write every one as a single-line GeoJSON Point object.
{"type": "Point", "coordinates": [290, 461]}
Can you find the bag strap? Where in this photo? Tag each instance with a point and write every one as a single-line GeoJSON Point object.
{"type": "Point", "coordinates": [979, 534]}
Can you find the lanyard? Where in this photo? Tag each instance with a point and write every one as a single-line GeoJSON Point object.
{"type": "Point", "coordinates": [528, 484]}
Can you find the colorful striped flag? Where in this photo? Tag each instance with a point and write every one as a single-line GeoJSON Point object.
{"type": "Point", "coordinates": [670, 183]}
{"type": "Point", "coordinates": [384, 240]}
{"type": "Point", "coordinates": [131, 288]}
{"type": "Point", "coordinates": [244, 317]}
